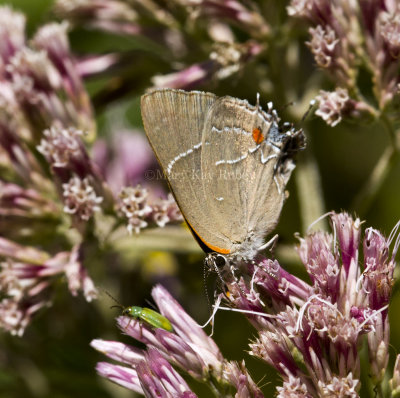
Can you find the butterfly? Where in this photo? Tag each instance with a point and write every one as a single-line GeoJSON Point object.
{"type": "Point", "coordinates": [227, 163]}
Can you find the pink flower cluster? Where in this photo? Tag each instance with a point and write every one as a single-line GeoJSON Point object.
{"type": "Point", "coordinates": [309, 332]}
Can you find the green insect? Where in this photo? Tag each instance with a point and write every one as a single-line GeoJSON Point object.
{"type": "Point", "coordinates": [151, 317]}
{"type": "Point", "coordinates": [147, 315]}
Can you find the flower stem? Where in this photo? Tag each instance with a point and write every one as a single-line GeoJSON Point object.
{"type": "Point", "coordinates": [309, 189]}
{"type": "Point", "coordinates": [379, 391]}
{"type": "Point", "coordinates": [379, 174]}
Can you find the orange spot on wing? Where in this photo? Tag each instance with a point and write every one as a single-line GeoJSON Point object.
{"type": "Point", "coordinates": [258, 136]}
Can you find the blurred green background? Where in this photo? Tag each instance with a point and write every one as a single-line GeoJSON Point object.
{"type": "Point", "coordinates": [54, 359]}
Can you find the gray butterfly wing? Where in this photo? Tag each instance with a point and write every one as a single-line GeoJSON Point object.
{"type": "Point", "coordinates": [174, 121]}
{"type": "Point", "coordinates": [243, 196]}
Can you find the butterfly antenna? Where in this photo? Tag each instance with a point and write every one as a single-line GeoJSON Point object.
{"type": "Point", "coordinates": [205, 269]}
{"type": "Point", "coordinates": [284, 107]}
{"type": "Point", "coordinates": [151, 305]}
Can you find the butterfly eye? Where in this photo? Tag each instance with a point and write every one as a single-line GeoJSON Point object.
{"type": "Point", "coordinates": [220, 261]}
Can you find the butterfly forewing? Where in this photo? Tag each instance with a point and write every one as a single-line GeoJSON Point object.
{"type": "Point", "coordinates": [173, 121]}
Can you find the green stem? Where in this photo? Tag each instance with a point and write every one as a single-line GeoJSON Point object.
{"type": "Point", "coordinates": [309, 190]}
{"type": "Point", "coordinates": [378, 176]}
{"type": "Point", "coordinates": [392, 133]}
{"type": "Point", "coordinates": [379, 391]}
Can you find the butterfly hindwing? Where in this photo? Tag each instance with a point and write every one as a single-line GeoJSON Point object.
{"type": "Point", "coordinates": [243, 195]}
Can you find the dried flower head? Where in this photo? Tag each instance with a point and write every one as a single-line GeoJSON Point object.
{"type": "Point", "coordinates": [12, 35]}
{"type": "Point", "coordinates": [232, 11]}
{"type": "Point", "coordinates": [53, 39]}
{"type": "Point", "coordinates": [80, 198]}
{"type": "Point", "coordinates": [346, 36]}
{"type": "Point", "coordinates": [35, 69]}
{"type": "Point", "coordinates": [389, 28]}
{"type": "Point", "coordinates": [332, 105]}
{"type": "Point", "coordinates": [21, 202]}
{"type": "Point", "coordinates": [133, 204]}
{"type": "Point", "coordinates": [341, 308]}
{"type": "Point", "coordinates": [98, 10]}
{"type": "Point", "coordinates": [42, 76]}
{"type": "Point", "coordinates": [14, 318]}
{"type": "Point", "coordinates": [136, 207]}
{"type": "Point", "coordinates": [165, 211]}
{"type": "Point", "coordinates": [61, 145]}
{"type": "Point", "coordinates": [26, 276]}
{"type": "Point", "coordinates": [339, 387]}
{"type": "Point", "coordinates": [187, 78]}
{"type": "Point", "coordinates": [292, 388]}
{"type": "Point", "coordinates": [323, 43]}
